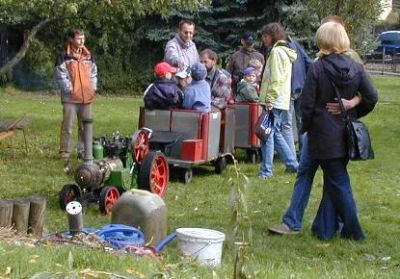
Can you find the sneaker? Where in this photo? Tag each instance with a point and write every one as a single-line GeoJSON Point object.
{"type": "Point", "coordinates": [282, 229]}
{"type": "Point", "coordinates": [263, 177]}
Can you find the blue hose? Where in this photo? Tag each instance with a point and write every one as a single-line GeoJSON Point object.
{"type": "Point", "coordinates": [120, 236]}
{"type": "Point", "coordinates": [164, 242]}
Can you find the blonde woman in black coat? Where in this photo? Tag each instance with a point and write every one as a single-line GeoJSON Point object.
{"type": "Point", "coordinates": [326, 131]}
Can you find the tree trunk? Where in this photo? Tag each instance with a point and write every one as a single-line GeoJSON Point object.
{"type": "Point", "coordinates": [25, 46]}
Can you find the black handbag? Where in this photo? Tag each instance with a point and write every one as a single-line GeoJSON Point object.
{"type": "Point", "coordinates": [358, 140]}
{"type": "Point", "coordinates": [264, 125]}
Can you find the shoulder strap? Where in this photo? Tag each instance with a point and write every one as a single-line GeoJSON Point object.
{"type": "Point", "coordinates": [147, 89]}
{"type": "Point", "coordinates": [342, 109]}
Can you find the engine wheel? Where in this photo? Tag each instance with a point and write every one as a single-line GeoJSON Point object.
{"type": "Point", "coordinates": [68, 193]}
{"type": "Point", "coordinates": [220, 165]}
{"type": "Point", "coordinates": [154, 173]}
{"type": "Point", "coordinates": [107, 198]}
{"type": "Point", "coordinates": [141, 144]}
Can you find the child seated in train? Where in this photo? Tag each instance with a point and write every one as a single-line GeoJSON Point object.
{"type": "Point", "coordinates": [164, 92]}
{"type": "Point", "coordinates": [248, 87]}
{"type": "Point", "coordinates": [256, 64]}
{"type": "Point", "coordinates": [183, 78]}
{"type": "Point", "coordinates": [197, 94]}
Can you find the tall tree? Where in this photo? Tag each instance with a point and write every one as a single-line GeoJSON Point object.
{"type": "Point", "coordinates": [360, 17]}
{"type": "Point", "coordinates": [218, 26]}
{"type": "Point", "coordinates": [36, 14]}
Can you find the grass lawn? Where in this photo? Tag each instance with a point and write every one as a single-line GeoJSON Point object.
{"type": "Point", "coordinates": [204, 202]}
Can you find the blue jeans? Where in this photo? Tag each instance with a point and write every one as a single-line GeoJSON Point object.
{"type": "Point", "coordinates": [287, 129]}
{"type": "Point", "coordinates": [302, 187]}
{"type": "Point", "coordinates": [276, 140]}
{"type": "Point", "coordinates": [337, 204]}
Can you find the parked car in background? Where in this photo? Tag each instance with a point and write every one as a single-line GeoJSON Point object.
{"type": "Point", "coordinates": [389, 46]}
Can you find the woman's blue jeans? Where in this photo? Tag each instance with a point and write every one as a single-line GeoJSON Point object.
{"type": "Point", "coordinates": [337, 204]}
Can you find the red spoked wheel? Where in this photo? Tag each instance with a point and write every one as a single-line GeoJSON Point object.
{"type": "Point", "coordinates": [69, 193]}
{"type": "Point", "coordinates": [108, 197]}
{"type": "Point", "coordinates": [154, 173]}
{"type": "Point", "coordinates": [141, 144]}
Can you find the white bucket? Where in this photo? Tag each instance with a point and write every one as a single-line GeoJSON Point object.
{"type": "Point", "coordinates": [205, 245]}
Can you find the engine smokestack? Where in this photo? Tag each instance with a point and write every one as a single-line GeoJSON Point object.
{"type": "Point", "coordinates": [88, 132]}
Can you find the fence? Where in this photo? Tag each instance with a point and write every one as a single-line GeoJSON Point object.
{"type": "Point", "coordinates": [385, 65]}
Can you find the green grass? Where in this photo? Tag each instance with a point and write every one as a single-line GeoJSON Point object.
{"type": "Point", "coordinates": [204, 202]}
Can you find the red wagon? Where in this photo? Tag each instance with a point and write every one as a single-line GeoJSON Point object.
{"type": "Point", "coordinates": [246, 116]}
{"type": "Point", "coordinates": [187, 138]}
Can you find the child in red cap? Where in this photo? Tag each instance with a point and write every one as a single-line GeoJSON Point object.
{"type": "Point", "coordinates": [163, 93]}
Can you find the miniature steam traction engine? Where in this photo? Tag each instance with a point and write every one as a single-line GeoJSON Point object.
{"type": "Point", "coordinates": [113, 165]}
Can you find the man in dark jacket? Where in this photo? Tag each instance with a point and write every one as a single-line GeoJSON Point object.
{"type": "Point", "coordinates": [299, 71]}
{"type": "Point", "coordinates": [76, 76]}
{"type": "Point", "coordinates": [240, 59]}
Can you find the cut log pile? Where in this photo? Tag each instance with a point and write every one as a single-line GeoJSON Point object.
{"type": "Point", "coordinates": [25, 215]}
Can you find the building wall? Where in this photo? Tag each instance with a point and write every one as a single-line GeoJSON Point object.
{"type": "Point", "coordinates": [386, 9]}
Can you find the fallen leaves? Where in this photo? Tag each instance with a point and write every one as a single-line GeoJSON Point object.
{"type": "Point", "coordinates": [8, 271]}
{"type": "Point", "coordinates": [323, 245]}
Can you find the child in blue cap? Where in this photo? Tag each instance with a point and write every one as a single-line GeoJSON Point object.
{"type": "Point", "coordinates": [197, 94]}
{"type": "Point", "coordinates": [247, 88]}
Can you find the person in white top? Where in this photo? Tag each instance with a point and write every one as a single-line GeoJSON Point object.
{"type": "Point", "coordinates": [181, 51]}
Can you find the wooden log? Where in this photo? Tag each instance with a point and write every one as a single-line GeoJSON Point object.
{"type": "Point", "coordinates": [6, 213]}
{"type": "Point", "coordinates": [36, 215]}
{"type": "Point", "coordinates": [21, 215]}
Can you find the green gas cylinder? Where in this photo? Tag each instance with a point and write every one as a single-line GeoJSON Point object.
{"type": "Point", "coordinates": [98, 150]}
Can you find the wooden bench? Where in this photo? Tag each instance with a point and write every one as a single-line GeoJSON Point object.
{"type": "Point", "coordinates": [8, 127]}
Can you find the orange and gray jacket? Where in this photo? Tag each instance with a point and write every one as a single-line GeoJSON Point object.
{"type": "Point", "coordinates": [76, 75]}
